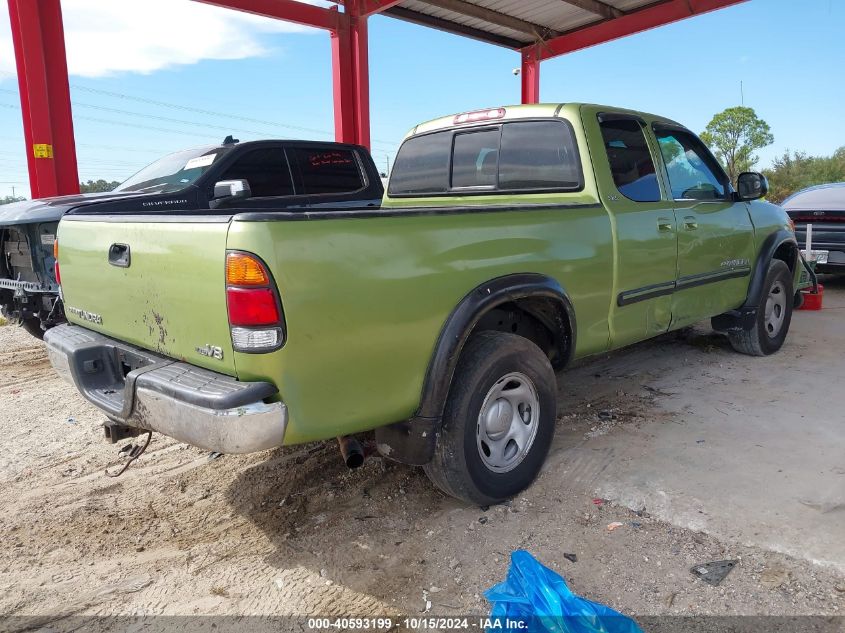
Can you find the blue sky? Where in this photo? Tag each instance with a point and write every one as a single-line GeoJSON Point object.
{"type": "Point", "coordinates": [789, 56]}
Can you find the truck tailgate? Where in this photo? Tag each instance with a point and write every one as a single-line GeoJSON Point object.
{"type": "Point", "coordinates": [158, 284]}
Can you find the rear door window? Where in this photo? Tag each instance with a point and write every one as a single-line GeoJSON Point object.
{"type": "Point", "coordinates": [538, 155]}
{"type": "Point", "coordinates": [630, 160]}
{"type": "Point", "coordinates": [328, 170]}
{"type": "Point", "coordinates": [265, 169]}
{"type": "Point", "coordinates": [475, 159]}
{"type": "Point", "coordinates": [422, 165]}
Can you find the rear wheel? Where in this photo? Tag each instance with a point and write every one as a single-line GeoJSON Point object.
{"type": "Point", "coordinates": [774, 315]}
{"type": "Point", "coordinates": [498, 422]}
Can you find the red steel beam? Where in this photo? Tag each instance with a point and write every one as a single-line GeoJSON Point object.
{"type": "Point", "coordinates": [38, 38]}
{"type": "Point", "coordinates": [371, 7]}
{"type": "Point", "coordinates": [632, 22]}
{"type": "Point", "coordinates": [530, 75]}
{"type": "Point", "coordinates": [289, 10]}
{"type": "Point", "coordinates": [361, 78]}
{"type": "Point", "coordinates": [350, 77]}
{"type": "Point", "coordinates": [344, 117]}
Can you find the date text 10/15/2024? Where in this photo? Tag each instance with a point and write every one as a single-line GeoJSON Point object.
{"type": "Point", "coordinates": [480, 623]}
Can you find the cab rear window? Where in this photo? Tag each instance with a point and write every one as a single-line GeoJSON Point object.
{"type": "Point", "coordinates": [511, 157]}
{"type": "Point", "coordinates": [328, 170]}
{"type": "Point", "coordinates": [422, 165]}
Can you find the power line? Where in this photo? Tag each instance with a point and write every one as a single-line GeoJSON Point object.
{"type": "Point", "coordinates": [176, 106]}
{"type": "Point", "coordinates": [92, 106]}
{"type": "Point", "coordinates": [159, 152]}
{"type": "Point", "coordinates": [148, 116]}
{"type": "Point", "coordinates": [146, 127]}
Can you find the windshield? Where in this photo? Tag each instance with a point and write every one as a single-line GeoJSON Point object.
{"type": "Point", "coordinates": [173, 172]}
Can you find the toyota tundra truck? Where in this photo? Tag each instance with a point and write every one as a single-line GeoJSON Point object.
{"type": "Point", "coordinates": [510, 242]}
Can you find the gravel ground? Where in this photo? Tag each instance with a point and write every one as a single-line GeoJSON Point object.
{"type": "Point", "coordinates": [292, 531]}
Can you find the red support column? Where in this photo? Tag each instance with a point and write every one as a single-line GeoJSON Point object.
{"type": "Point", "coordinates": [350, 77]}
{"type": "Point", "coordinates": [361, 78]}
{"type": "Point", "coordinates": [530, 75]}
{"type": "Point", "coordinates": [38, 38]}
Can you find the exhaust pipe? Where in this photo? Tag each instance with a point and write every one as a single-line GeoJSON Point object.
{"type": "Point", "coordinates": [351, 450]}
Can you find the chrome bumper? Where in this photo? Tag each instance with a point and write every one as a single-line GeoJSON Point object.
{"type": "Point", "coordinates": [193, 405]}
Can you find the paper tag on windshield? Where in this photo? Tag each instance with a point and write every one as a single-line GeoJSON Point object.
{"type": "Point", "coordinates": [200, 161]}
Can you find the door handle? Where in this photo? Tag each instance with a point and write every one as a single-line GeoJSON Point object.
{"type": "Point", "coordinates": [689, 223]}
{"type": "Point", "coordinates": [665, 225]}
{"type": "Point", "coordinates": [119, 255]}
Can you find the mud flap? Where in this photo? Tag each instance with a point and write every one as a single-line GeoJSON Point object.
{"type": "Point", "coordinates": [735, 320]}
{"type": "Point", "coordinates": [410, 442]}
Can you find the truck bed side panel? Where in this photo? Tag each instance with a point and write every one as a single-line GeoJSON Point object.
{"type": "Point", "coordinates": [365, 300]}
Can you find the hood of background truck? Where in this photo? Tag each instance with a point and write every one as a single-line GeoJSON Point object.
{"type": "Point", "coordinates": [52, 209]}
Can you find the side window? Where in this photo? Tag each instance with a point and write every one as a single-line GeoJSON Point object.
{"type": "Point", "coordinates": [538, 155]}
{"type": "Point", "coordinates": [422, 165]}
{"type": "Point", "coordinates": [328, 170]}
{"type": "Point", "coordinates": [266, 171]}
{"type": "Point", "coordinates": [475, 159]}
{"type": "Point", "coordinates": [630, 160]}
{"type": "Point", "coordinates": [693, 173]}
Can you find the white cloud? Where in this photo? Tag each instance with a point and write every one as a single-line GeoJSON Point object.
{"type": "Point", "coordinates": [104, 37]}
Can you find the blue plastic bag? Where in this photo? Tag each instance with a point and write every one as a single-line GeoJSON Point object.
{"type": "Point", "coordinates": [534, 599]}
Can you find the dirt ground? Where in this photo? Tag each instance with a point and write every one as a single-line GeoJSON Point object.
{"type": "Point", "coordinates": [292, 531]}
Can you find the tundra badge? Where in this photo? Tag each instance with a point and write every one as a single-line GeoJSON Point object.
{"type": "Point", "coordinates": [91, 317]}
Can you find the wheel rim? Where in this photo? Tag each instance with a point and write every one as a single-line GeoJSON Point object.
{"type": "Point", "coordinates": [775, 309]}
{"type": "Point", "coordinates": [507, 423]}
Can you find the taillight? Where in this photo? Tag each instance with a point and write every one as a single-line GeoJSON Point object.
{"type": "Point", "coordinates": [245, 270]}
{"type": "Point", "coordinates": [255, 315]}
{"type": "Point", "coordinates": [252, 306]}
{"type": "Point", "coordinates": [56, 264]}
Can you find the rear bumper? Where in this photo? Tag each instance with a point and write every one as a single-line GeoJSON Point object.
{"type": "Point", "coordinates": [137, 388]}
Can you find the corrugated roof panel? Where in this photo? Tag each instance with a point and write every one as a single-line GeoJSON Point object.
{"type": "Point", "coordinates": [629, 5]}
{"type": "Point", "coordinates": [552, 14]}
{"type": "Point", "coordinates": [465, 20]}
{"type": "Point", "coordinates": [557, 15]}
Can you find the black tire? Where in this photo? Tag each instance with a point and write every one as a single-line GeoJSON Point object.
{"type": "Point", "coordinates": [457, 467]}
{"type": "Point", "coordinates": [33, 326]}
{"type": "Point", "coordinates": [761, 340]}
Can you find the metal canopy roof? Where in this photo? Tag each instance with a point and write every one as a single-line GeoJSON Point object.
{"type": "Point", "coordinates": [538, 29]}
{"type": "Point", "coordinates": [516, 24]}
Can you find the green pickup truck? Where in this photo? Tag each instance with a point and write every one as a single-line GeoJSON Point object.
{"type": "Point", "coordinates": [509, 242]}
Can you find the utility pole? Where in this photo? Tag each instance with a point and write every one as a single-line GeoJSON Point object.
{"type": "Point", "coordinates": [741, 93]}
{"type": "Point", "coordinates": [13, 191]}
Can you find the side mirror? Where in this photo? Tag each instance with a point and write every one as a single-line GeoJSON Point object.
{"type": "Point", "coordinates": [231, 189]}
{"type": "Point", "coordinates": [751, 185]}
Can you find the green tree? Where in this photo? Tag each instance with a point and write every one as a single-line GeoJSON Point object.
{"type": "Point", "coordinates": [734, 135]}
{"type": "Point", "coordinates": [794, 171]}
{"type": "Point", "coordinates": [96, 186]}
{"type": "Point", "coordinates": [10, 199]}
